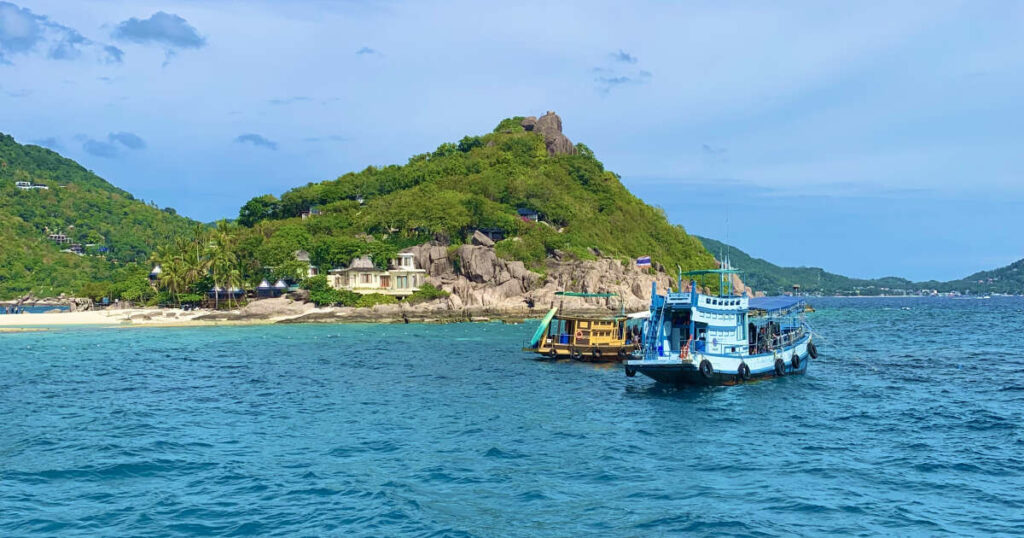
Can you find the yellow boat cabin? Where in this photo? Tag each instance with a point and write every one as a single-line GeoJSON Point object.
{"type": "Point", "coordinates": [583, 338]}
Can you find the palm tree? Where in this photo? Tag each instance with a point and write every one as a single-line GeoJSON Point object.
{"type": "Point", "coordinates": [173, 278]}
{"type": "Point", "coordinates": [221, 257]}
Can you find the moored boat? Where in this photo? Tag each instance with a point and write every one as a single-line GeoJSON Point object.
{"type": "Point", "coordinates": [583, 338]}
{"type": "Point", "coordinates": [692, 338]}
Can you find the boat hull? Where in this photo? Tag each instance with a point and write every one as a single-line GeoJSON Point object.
{"type": "Point", "coordinates": [726, 370]}
{"type": "Point", "coordinates": [613, 353]}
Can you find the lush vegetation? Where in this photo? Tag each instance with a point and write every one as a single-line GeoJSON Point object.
{"type": "Point", "coordinates": [116, 230]}
{"type": "Point", "coordinates": [192, 266]}
{"type": "Point", "coordinates": [427, 292]}
{"type": "Point", "coordinates": [773, 279]}
{"type": "Point", "coordinates": [1008, 279]}
{"type": "Point", "coordinates": [479, 182]}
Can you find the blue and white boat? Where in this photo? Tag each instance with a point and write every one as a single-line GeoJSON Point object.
{"type": "Point", "coordinates": [691, 338]}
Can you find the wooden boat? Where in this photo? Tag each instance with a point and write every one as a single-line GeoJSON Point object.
{"type": "Point", "coordinates": [582, 338]}
{"type": "Point", "coordinates": [693, 338]}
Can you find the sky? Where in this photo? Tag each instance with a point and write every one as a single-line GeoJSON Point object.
{"type": "Point", "coordinates": [868, 138]}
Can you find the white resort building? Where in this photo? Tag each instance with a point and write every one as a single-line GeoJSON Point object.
{"type": "Point", "coordinates": [401, 279]}
{"type": "Point", "coordinates": [28, 186]}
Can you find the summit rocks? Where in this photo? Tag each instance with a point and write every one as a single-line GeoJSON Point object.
{"type": "Point", "coordinates": [550, 125]}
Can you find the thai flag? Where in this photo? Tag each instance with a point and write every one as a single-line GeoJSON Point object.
{"type": "Point", "coordinates": [643, 261]}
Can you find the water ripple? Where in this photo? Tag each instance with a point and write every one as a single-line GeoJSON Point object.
{"type": "Point", "coordinates": [909, 423]}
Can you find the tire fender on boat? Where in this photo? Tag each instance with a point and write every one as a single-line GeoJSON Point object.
{"type": "Point", "coordinates": [780, 367]}
{"type": "Point", "coordinates": [575, 354]}
{"type": "Point", "coordinates": [623, 355]}
{"type": "Point", "coordinates": [811, 350]}
{"type": "Point", "coordinates": [743, 371]}
{"type": "Point", "coordinates": [706, 369]}
{"type": "Point", "coordinates": [630, 372]}
{"type": "Point", "coordinates": [795, 361]}
{"type": "Point", "coordinates": [553, 353]}
{"type": "Point", "coordinates": [595, 352]}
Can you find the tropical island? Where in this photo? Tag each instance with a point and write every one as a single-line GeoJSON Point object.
{"type": "Point", "coordinates": [492, 225]}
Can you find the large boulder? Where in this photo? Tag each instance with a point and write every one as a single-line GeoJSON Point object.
{"type": "Point", "coordinates": [433, 257]}
{"type": "Point", "coordinates": [550, 125]}
{"type": "Point", "coordinates": [79, 304]}
{"type": "Point", "coordinates": [482, 240]}
{"type": "Point", "coordinates": [478, 264]}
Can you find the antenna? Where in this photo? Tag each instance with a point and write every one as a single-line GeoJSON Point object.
{"type": "Point", "coordinates": [728, 243]}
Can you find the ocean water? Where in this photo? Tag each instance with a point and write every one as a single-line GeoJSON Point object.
{"type": "Point", "coordinates": [910, 423]}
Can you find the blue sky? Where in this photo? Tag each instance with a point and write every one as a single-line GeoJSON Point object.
{"type": "Point", "coordinates": [868, 138]}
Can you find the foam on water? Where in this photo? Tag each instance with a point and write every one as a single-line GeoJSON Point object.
{"type": "Point", "coordinates": [909, 423]}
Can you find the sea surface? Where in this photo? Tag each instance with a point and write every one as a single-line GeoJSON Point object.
{"type": "Point", "coordinates": [910, 423]}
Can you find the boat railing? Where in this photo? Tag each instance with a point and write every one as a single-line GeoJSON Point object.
{"type": "Point", "coordinates": [788, 338]}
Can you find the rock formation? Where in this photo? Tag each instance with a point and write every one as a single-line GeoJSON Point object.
{"type": "Point", "coordinates": [480, 239]}
{"type": "Point", "coordinates": [550, 125]}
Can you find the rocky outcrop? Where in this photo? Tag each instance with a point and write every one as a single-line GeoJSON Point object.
{"type": "Point", "coordinates": [433, 257]}
{"type": "Point", "coordinates": [482, 240]}
{"type": "Point", "coordinates": [478, 279]}
{"type": "Point", "coordinates": [79, 304]}
{"type": "Point", "coordinates": [550, 125]}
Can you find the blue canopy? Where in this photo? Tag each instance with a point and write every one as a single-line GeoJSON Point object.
{"type": "Point", "coordinates": [775, 305]}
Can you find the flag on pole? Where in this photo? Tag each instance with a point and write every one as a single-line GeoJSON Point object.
{"type": "Point", "coordinates": [643, 261]}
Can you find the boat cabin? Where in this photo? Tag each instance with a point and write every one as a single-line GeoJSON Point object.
{"type": "Point", "coordinates": [686, 322]}
{"type": "Point", "coordinates": [588, 338]}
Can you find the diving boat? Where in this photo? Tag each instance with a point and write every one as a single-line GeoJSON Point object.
{"type": "Point", "coordinates": [583, 338]}
{"type": "Point", "coordinates": [692, 338]}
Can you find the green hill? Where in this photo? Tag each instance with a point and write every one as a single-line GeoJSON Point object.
{"type": "Point", "coordinates": [1008, 279]}
{"type": "Point", "coordinates": [480, 182]}
{"type": "Point", "coordinates": [773, 279]}
{"type": "Point", "coordinates": [115, 229]}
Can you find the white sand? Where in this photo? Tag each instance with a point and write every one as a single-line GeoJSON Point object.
{"type": "Point", "coordinates": [132, 317]}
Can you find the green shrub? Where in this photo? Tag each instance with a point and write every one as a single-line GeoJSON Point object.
{"type": "Point", "coordinates": [510, 125]}
{"type": "Point", "coordinates": [194, 298]}
{"type": "Point", "coordinates": [315, 283]}
{"type": "Point", "coordinates": [325, 297]}
{"type": "Point", "coordinates": [349, 298]}
{"type": "Point", "coordinates": [374, 299]}
{"type": "Point", "coordinates": [427, 292]}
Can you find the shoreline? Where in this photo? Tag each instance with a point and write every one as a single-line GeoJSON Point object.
{"type": "Point", "coordinates": [297, 314]}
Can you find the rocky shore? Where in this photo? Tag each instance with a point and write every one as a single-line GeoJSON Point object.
{"type": "Point", "coordinates": [481, 285]}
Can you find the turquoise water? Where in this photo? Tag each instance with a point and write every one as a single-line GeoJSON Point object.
{"type": "Point", "coordinates": [909, 424]}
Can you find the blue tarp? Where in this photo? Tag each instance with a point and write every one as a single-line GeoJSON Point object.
{"type": "Point", "coordinates": [773, 305]}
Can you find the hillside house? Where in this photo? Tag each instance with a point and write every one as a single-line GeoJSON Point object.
{"type": "Point", "coordinates": [527, 214]}
{"type": "Point", "coordinates": [494, 234]}
{"type": "Point", "coordinates": [310, 213]}
{"type": "Point", "coordinates": [28, 186]}
{"type": "Point", "coordinates": [59, 238]}
{"type": "Point", "coordinates": [401, 279]}
{"type": "Point", "coordinates": [303, 257]}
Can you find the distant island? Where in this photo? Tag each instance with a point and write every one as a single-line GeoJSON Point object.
{"type": "Point", "coordinates": [773, 279]}
{"type": "Point", "coordinates": [491, 223]}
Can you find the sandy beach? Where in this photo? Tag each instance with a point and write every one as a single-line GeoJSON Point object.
{"type": "Point", "coordinates": [132, 317]}
{"type": "Point", "coordinates": [260, 312]}
{"type": "Point", "coordinates": [270, 311]}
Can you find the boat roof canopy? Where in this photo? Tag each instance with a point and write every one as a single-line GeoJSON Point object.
{"type": "Point", "coordinates": [775, 305]}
